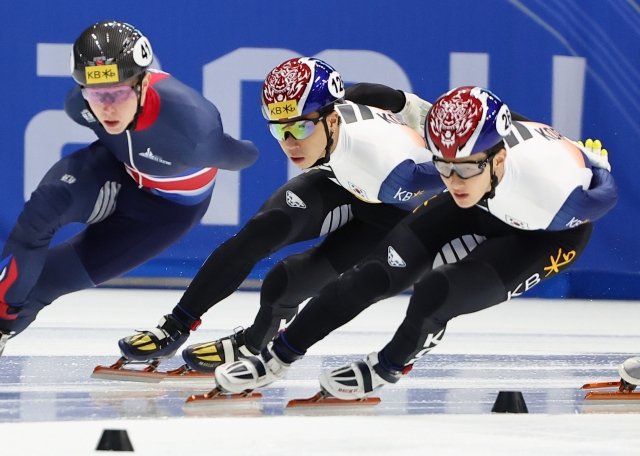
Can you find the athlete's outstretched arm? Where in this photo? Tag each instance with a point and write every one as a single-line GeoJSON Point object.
{"type": "Point", "coordinates": [378, 95]}
{"type": "Point", "coordinates": [410, 180]}
{"type": "Point", "coordinates": [384, 97]}
{"type": "Point", "coordinates": [588, 205]}
{"type": "Point", "coordinates": [230, 153]}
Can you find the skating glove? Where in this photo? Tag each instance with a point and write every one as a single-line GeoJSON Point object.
{"type": "Point", "coordinates": [415, 112]}
{"type": "Point", "coordinates": [597, 155]}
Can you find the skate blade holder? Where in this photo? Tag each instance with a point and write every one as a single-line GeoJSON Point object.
{"type": "Point", "coordinates": [118, 371]}
{"type": "Point", "coordinates": [186, 374]}
{"type": "Point", "coordinates": [623, 399]}
{"type": "Point", "coordinates": [148, 374]}
{"type": "Point", "coordinates": [323, 404]}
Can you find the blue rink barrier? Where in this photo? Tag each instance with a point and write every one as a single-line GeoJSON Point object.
{"type": "Point", "coordinates": [569, 63]}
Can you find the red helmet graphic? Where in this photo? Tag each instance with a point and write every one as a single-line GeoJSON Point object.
{"type": "Point", "coordinates": [466, 121]}
{"type": "Point", "coordinates": [300, 86]}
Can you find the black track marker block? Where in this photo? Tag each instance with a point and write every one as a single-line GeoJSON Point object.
{"type": "Point", "coordinates": [510, 402]}
{"type": "Point", "coordinates": [114, 440]}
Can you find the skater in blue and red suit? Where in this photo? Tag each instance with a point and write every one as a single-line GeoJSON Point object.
{"type": "Point", "coordinates": [140, 187]}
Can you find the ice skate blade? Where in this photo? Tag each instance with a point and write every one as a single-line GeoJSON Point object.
{"type": "Point", "coordinates": [597, 385]}
{"type": "Point", "coordinates": [184, 373]}
{"type": "Point", "coordinates": [322, 404]}
{"type": "Point", "coordinates": [127, 375]}
{"type": "Point", "coordinates": [624, 388]}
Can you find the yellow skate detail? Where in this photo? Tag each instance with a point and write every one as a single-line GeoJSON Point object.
{"type": "Point", "coordinates": [207, 352]}
{"type": "Point", "coordinates": [204, 347]}
{"type": "Point", "coordinates": [143, 342]}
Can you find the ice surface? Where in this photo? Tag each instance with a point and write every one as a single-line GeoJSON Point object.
{"type": "Point", "coordinates": [545, 349]}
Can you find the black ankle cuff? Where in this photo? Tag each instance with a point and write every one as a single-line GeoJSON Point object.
{"type": "Point", "coordinates": [173, 325]}
{"type": "Point", "coordinates": [188, 321]}
{"type": "Point", "coordinates": [284, 351]}
{"type": "Point", "coordinates": [242, 338]}
{"type": "Point", "coordinates": [386, 370]}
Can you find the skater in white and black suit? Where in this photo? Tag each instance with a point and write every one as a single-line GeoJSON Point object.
{"type": "Point", "coordinates": [370, 169]}
{"type": "Point", "coordinates": [531, 192]}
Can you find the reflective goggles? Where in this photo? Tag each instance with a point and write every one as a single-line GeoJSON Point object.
{"type": "Point", "coordinates": [299, 129]}
{"type": "Point", "coordinates": [464, 170]}
{"type": "Point", "coordinates": [109, 95]}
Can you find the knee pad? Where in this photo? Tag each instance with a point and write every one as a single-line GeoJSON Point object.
{"type": "Point", "coordinates": [456, 289]}
{"type": "Point", "coordinates": [444, 293]}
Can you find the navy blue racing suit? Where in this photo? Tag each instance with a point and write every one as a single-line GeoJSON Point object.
{"type": "Point", "coordinates": [139, 192]}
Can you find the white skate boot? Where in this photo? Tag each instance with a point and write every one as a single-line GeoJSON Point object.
{"type": "Point", "coordinates": [357, 380]}
{"type": "Point", "coordinates": [257, 371]}
{"type": "Point", "coordinates": [4, 337]}
{"type": "Point", "coordinates": [629, 370]}
{"type": "Point", "coordinates": [237, 380]}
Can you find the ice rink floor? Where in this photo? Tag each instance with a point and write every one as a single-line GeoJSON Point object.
{"type": "Point", "coordinates": [544, 349]}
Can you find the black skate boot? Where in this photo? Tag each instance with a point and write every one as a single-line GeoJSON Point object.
{"type": "Point", "coordinates": [207, 356]}
{"type": "Point", "coordinates": [149, 348]}
{"type": "Point", "coordinates": [158, 343]}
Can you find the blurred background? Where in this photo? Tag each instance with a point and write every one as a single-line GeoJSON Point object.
{"type": "Point", "coordinates": [569, 63]}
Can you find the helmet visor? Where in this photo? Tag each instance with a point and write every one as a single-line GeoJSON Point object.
{"type": "Point", "coordinates": [109, 95]}
{"type": "Point", "coordinates": [464, 170]}
{"type": "Point", "coordinates": [299, 129]}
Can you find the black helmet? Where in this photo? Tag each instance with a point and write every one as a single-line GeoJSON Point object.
{"type": "Point", "coordinates": [109, 53]}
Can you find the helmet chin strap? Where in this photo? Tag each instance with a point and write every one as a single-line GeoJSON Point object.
{"type": "Point", "coordinates": [494, 182]}
{"type": "Point", "coordinates": [138, 89]}
{"type": "Point", "coordinates": [327, 150]}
